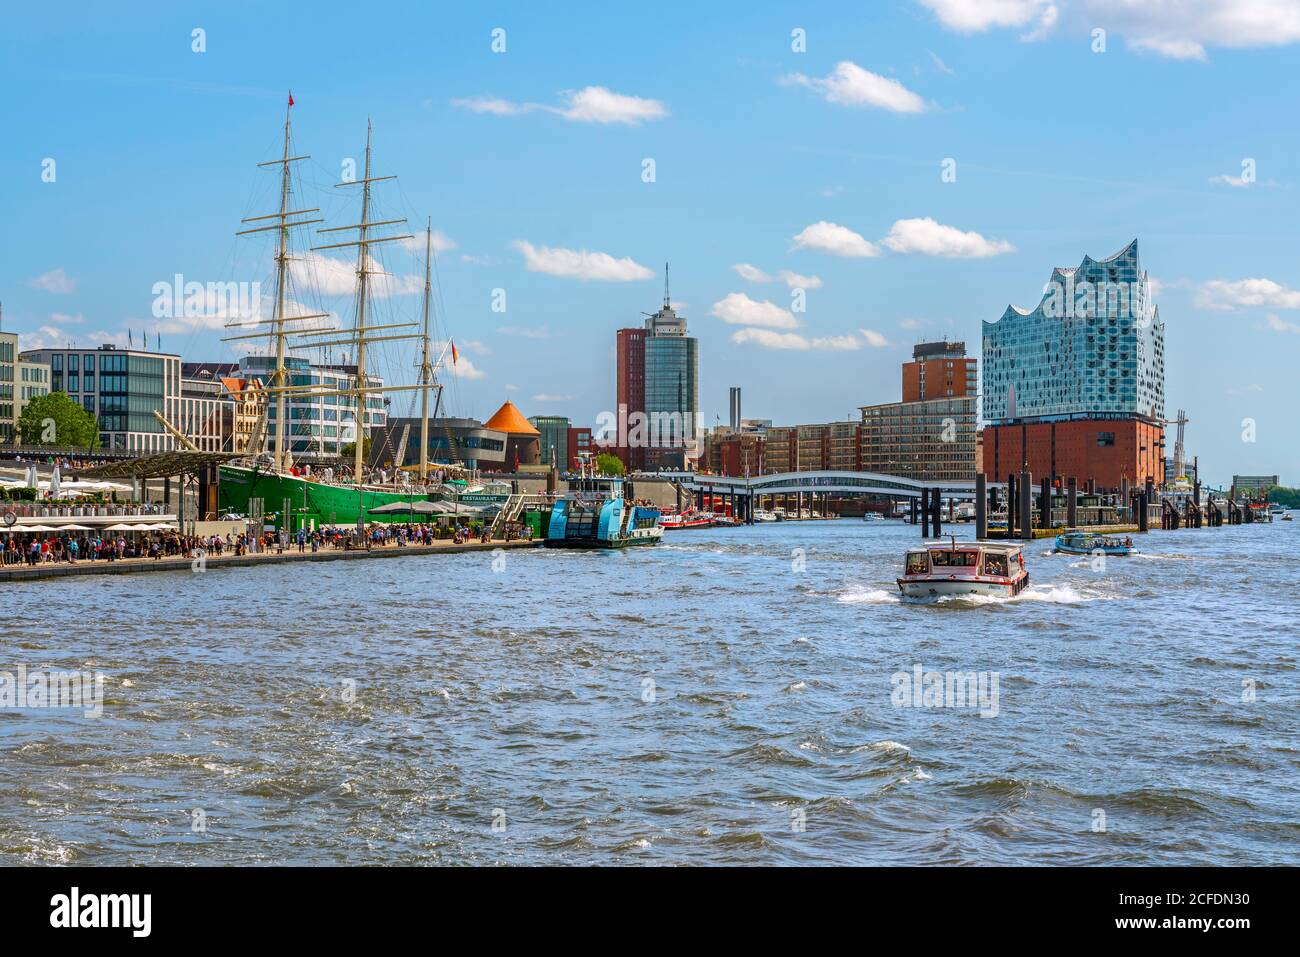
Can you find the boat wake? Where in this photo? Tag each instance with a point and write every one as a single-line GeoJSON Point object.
{"type": "Point", "coordinates": [1052, 594]}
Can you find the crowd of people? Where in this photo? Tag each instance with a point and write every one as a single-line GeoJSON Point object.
{"type": "Point", "coordinates": [93, 546]}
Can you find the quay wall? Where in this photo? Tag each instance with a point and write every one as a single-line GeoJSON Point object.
{"type": "Point", "coordinates": [18, 573]}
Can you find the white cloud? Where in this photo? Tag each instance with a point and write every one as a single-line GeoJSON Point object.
{"type": "Point", "coordinates": [836, 240]}
{"type": "Point", "coordinates": [56, 281]}
{"type": "Point", "coordinates": [874, 339]}
{"type": "Point", "coordinates": [524, 332]}
{"type": "Point", "coordinates": [850, 85]}
{"type": "Point", "coordinates": [929, 238]}
{"type": "Point", "coordinates": [441, 243]}
{"type": "Point", "coordinates": [1239, 293]}
{"type": "Point", "coordinates": [63, 319]}
{"type": "Point", "coordinates": [912, 323]}
{"type": "Point", "coordinates": [792, 279]}
{"type": "Point", "coordinates": [973, 16]}
{"type": "Point", "coordinates": [1280, 325]}
{"type": "Point", "coordinates": [792, 340]}
{"type": "Point", "coordinates": [491, 104]}
{"type": "Point", "coordinates": [549, 397]}
{"type": "Point", "coordinates": [329, 276]}
{"type": "Point", "coordinates": [475, 346]}
{"type": "Point", "coordinates": [1177, 29]}
{"type": "Point", "coordinates": [591, 104]}
{"type": "Point", "coordinates": [737, 309]}
{"type": "Point", "coordinates": [580, 263]}
{"type": "Point", "coordinates": [595, 104]}
{"type": "Point", "coordinates": [463, 367]}
{"type": "Point", "coordinates": [940, 65]}
{"type": "Point", "coordinates": [751, 273]}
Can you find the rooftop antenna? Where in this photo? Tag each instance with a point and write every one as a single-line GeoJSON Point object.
{"type": "Point", "coordinates": [665, 285]}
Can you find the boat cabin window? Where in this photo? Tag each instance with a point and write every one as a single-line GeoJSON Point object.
{"type": "Point", "coordinates": [955, 559]}
{"type": "Point", "coordinates": [995, 564]}
{"type": "Point", "coordinates": [918, 563]}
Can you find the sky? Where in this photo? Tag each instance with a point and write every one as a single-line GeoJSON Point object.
{"type": "Point", "coordinates": [831, 183]}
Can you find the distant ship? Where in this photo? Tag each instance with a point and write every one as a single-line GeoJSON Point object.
{"type": "Point", "coordinates": [595, 514]}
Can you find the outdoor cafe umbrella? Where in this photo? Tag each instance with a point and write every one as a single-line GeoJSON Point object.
{"type": "Point", "coordinates": [55, 483]}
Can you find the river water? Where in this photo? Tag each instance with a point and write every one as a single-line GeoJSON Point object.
{"type": "Point", "coordinates": [727, 697]}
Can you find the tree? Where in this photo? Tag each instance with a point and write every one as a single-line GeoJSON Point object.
{"type": "Point", "coordinates": [349, 451]}
{"type": "Point", "coordinates": [57, 421]}
{"type": "Point", "coordinates": [607, 463]}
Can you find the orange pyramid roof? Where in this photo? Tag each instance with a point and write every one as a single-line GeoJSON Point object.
{"type": "Point", "coordinates": [509, 419]}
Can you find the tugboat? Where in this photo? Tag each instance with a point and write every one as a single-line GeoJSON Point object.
{"type": "Point", "coordinates": [971, 568]}
{"type": "Point", "coordinates": [595, 514]}
{"type": "Point", "coordinates": [1075, 542]}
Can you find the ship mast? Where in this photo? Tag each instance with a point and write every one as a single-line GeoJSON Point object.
{"type": "Point", "coordinates": [426, 370]}
{"type": "Point", "coordinates": [286, 220]}
{"type": "Point", "coordinates": [359, 339]}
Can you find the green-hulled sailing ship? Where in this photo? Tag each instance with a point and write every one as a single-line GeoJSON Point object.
{"type": "Point", "coordinates": [268, 482]}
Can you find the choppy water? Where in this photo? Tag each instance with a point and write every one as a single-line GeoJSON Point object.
{"type": "Point", "coordinates": [519, 697]}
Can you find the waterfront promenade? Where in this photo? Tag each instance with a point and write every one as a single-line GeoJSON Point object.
{"type": "Point", "coordinates": [127, 566]}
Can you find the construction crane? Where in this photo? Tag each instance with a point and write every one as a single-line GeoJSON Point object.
{"type": "Point", "coordinates": [1180, 451]}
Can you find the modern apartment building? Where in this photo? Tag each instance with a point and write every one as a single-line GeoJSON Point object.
{"type": "Point", "coordinates": [658, 392]}
{"type": "Point", "coordinates": [207, 414]}
{"type": "Point", "coordinates": [20, 382]}
{"type": "Point", "coordinates": [122, 388]}
{"type": "Point", "coordinates": [931, 440]}
{"type": "Point", "coordinates": [940, 370]}
{"type": "Point", "coordinates": [1075, 386]}
{"type": "Point", "coordinates": [554, 440]}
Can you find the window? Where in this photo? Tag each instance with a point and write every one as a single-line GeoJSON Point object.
{"type": "Point", "coordinates": [1105, 439]}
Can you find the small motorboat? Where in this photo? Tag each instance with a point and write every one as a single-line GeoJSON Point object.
{"type": "Point", "coordinates": [1075, 542]}
{"type": "Point", "coordinates": [689, 519]}
{"type": "Point", "coordinates": [996, 569]}
{"type": "Point", "coordinates": [764, 515]}
{"type": "Point", "coordinates": [873, 517]}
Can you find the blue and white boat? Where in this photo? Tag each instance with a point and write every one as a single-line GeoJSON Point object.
{"type": "Point", "coordinates": [595, 514]}
{"type": "Point", "coordinates": [1075, 542]}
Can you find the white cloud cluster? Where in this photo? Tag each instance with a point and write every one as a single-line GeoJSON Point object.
{"type": "Point", "coordinates": [1177, 29]}
{"type": "Point", "coordinates": [580, 263]}
{"type": "Point", "coordinates": [591, 104]}
{"type": "Point", "coordinates": [769, 339]}
{"type": "Point", "coordinates": [1242, 293]}
{"type": "Point", "coordinates": [737, 309]}
{"type": "Point", "coordinates": [929, 238]}
{"type": "Point", "coordinates": [835, 240]}
{"type": "Point", "coordinates": [923, 235]}
{"type": "Point", "coordinates": [851, 85]}
{"type": "Point", "coordinates": [794, 280]}
{"type": "Point", "coordinates": [55, 281]}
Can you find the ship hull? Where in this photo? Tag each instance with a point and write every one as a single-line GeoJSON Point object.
{"type": "Point", "coordinates": [308, 501]}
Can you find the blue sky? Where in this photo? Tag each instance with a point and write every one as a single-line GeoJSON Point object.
{"type": "Point", "coordinates": [824, 163]}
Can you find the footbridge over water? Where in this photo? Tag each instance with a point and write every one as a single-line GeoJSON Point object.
{"type": "Point", "coordinates": [745, 494]}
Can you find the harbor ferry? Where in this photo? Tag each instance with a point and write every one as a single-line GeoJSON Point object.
{"type": "Point", "coordinates": [969, 568]}
{"type": "Point", "coordinates": [1075, 542]}
{"type": "Point", "coordinates": [595, 514]}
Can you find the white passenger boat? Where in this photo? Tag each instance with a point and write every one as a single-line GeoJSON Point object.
{"type": "Point", "coordinates": [966, 568]}
{"type": "Point", "coordinates": [764, 515]}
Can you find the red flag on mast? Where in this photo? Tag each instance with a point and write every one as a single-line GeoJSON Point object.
{"type": "Point", "coordinates": [291, 98]}
{"type": "Point", "coordinates": [455, 356]}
